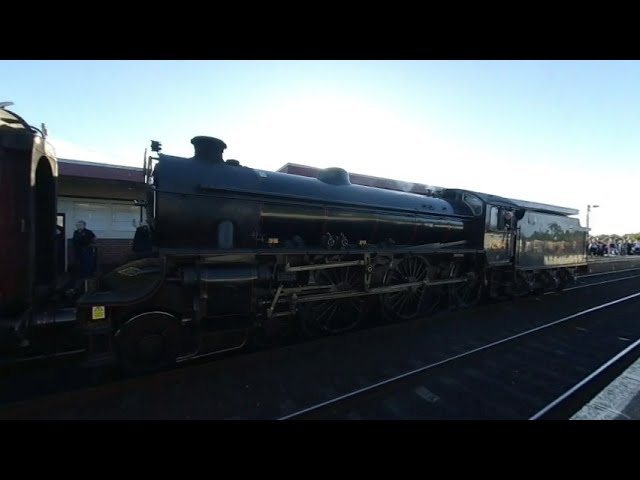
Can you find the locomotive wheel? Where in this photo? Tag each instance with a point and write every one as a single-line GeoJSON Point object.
{"type": "Point", "coordinates": [410, 303]}
{"type": "Point", "coordinates": [521, 286]}
{"type": "Point", "coordinates": [546, 281]}
{"type": "Point", "coordinates": [565, 279]}
{"type": "Point", "coordinates": [148, 342]}
{"type": "Point", "coordinates": [327, 317]}
{"type": "Point", "coordinates": [468, 294]}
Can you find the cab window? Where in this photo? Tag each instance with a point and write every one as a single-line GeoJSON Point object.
{"type": "Point", "coordinates": [492, 214]}
{"type": "Point", "coordinates": [473, 202]}
{"type": "Point", "coordinates": [499, 219]}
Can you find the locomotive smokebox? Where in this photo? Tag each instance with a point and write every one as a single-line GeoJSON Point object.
{"type": "Point", "coordinates": [208, 149]}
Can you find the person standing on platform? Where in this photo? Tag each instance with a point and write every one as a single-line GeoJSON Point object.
{"type": "Point", "coordinates": [83, 249]}
{"type": "Point", "coordinates": [142, 243]}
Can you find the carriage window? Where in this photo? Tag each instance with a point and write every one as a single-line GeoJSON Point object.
{"type": "Point", "coordinates": [502, 221]}
{"type": "Point", "coordinates": [493, 218]}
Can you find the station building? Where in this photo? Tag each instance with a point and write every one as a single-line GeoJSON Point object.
{"type": "Point", "coordinates": [102, 195]}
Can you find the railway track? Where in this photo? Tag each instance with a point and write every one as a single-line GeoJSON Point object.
{"type": "Point", "coordinates": [513, 378]}
{"type": "Point", "coordinates": [578, 395]}
{"type": "Point", "coordinates": [271, 385]}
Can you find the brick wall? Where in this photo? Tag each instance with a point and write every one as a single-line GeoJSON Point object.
{"type": "Point", "coordinates": [111, 253]}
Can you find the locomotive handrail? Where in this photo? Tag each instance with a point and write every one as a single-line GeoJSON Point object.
{"type": "Point", "coordinates": [437, 245]}
{"type": "Point", "coordinates": [37, 130]}
{"type": "Point", "coordinates": [322, 266]}
{"type": "Point", "coordinates": [177, 251]}
{"type": "Point", "coordinates": [378, 290]}
{"type": "Point", "coordinates": [226, 193]}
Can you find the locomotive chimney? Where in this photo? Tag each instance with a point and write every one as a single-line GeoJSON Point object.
{"type": "Point", "coordinates": [208, 149]}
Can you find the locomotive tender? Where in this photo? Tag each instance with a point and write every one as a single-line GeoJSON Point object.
{"type": "Point", "coordinates": [243, 255]}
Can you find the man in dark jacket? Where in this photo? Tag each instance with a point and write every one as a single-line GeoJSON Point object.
{"type": "Point", "coordinates": [83, 241]}
{"type": "Point", "coordinates": [142, 245]}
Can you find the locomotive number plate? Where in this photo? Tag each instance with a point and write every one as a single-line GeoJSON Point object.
{"type": "Point", "coordinates": [97, 313]}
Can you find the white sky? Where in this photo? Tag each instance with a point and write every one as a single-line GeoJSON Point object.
{"type": "Point", "coordinates": [372, 139]}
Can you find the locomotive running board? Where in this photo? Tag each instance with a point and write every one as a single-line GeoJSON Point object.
{"type": "Point", "coordinates": [13, 364]}
{"type": "Point", "coordinates": [377, 290]}
{"type": "Point", "coordinates": [215, 253]}
{"type": "Point", "coordinates": [321, 266]}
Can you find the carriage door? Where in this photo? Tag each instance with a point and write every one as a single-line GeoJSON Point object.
{"type": "Point", "coordinates": [44, 207]}
{"type": "Point", "coordinates": [499, 237]}
{"type": "Point", "coordinates": [61, 243]}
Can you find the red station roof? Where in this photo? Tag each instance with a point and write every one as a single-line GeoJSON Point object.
{"type": "Point", "coordinates": [103, 171]}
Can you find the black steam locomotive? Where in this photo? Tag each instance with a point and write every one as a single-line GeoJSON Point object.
{"type": "Point", "coordinates": [242, 255]}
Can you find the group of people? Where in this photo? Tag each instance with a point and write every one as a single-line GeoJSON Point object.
{"type": "Point", "coordinates": [598, 248]}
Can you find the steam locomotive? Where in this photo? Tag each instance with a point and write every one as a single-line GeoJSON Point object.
{"type": "Point", "coordinates": [243, 255]}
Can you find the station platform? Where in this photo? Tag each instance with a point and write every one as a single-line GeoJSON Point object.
{"type": "Point", "coordinates": [620, 400]}
{"type": "Point", "coordinates": [612, 264]}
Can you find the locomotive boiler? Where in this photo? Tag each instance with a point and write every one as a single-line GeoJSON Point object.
{"type": "Point", "coordinates": [205, 202]}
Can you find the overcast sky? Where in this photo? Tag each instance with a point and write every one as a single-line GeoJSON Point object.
{"type": "Point", "coordinates": [558, 132]}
